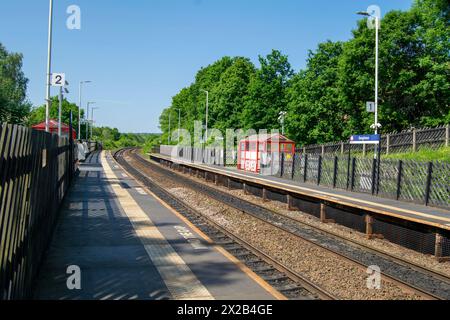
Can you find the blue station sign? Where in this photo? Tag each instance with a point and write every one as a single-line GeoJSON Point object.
{"type": "Point", "coordinates": [365, 139]}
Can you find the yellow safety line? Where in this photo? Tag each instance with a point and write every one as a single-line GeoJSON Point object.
{"type": "Point", "coordinates": [266, 286]}
{"type": "Point", "coordinates": [176, 274]}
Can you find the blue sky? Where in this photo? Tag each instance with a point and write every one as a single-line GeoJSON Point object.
{"type": "Point", "coordinates": [140, 53]}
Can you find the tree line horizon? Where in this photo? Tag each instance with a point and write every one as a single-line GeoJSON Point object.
{"type": "Point", "coordinates": [326, 101]}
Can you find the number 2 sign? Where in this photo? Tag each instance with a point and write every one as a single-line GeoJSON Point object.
{"type": "Point", "coordinates": [58, 79]}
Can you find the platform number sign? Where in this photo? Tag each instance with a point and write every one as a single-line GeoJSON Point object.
{"type": "Point", "coordinates": [370, 106]}
{"type": "Point", "coordinates": [58, 79]}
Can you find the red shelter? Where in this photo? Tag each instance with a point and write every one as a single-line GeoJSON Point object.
{"type": "Point", "coordinates": [53, 127]}
{"type": "Point", "coordinates": [258, 150]}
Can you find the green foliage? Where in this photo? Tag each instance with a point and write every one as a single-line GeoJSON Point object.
{"type": "Point", "coordinates": [313, 98]}
{"type": "Point", "coordinates": [326, 101]}
{"type": "Point", "coordinates": [442, 154]}
{"type": "Point", "coordinates": [13, 86]}
{"type": "Point", "coordinates": [228, 95]}
{"type": "Point", "coordinates": [112, 139]}
{"type": "Point", "coordinates": [37, 115]}
{"type": "Point", "coordinates": [227, 82]}
{"type": "Point", "coordinates": [267, 92]}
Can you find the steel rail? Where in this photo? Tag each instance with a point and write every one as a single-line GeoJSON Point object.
{"type": "Point", "coordinates": [422, 292]}
{"type": "Point", "coordinates": [294, 276]}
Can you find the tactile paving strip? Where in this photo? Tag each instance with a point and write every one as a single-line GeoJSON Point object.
{"type": "Point", "coordinates": [178, 277]}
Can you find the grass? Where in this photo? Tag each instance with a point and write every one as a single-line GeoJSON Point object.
{"type": "Point", "coordinates": [442, 154]}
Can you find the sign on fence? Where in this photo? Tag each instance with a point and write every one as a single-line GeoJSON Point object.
{"type": "Point", "coordinates": [365, 139]}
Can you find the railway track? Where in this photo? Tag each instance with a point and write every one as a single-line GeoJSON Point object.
{"type": "Point", "coordinates": [289, 283]}
{"type": "Point", "coordinates": [426, 283]}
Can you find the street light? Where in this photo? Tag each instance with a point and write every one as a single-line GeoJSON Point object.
{"type": "Point", "coordinates": [92, 118]}
{"type": "Point", "coordinates": [376, 125]}
{"type": "Point", "coordinates": [281, 118]}
{"type": "Point", "coordinates": [79, 107]}
{"type": "Point", "coordinates": [61, 98]}
{"type": "Point", "coordinates": [179, 124]}
{"type": "Point", "coordinates": [49, 66]}
{"type": "Point", "coordinates": [207, 105]}
{"type": "Point", "coordinates": [168, 138]}
{"type": "Point", "coordinates": [87, 119]}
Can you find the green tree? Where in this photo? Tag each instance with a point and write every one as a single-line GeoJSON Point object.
{"type": "Point", "coordinates": [13, 86]}
{"type": "Point", "coordinates": [112, 139]}
{"type": "Point", "coordinates": [229, 94]}
{"type": "Point", "coordinates": [314, 113]}
{"type": "Point", "coordinates": [414, 70]}
{"type": "Point", "coordinates": [267, 92]}
{"type": "Point", "coordinates": [37, 115]}
{"type": "Point", "coordinates": [326, 101]}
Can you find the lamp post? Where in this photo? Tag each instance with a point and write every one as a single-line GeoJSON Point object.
{"type": "Point", "coordinates": [92, 118]}
{"type": "Point", "coordinates": [87, 118]}
{"type": "Point", "coordinates": [376, 125]}
{"type": "Point", "coordinates": [179, 124]}
{"type": "Point", "coordinates": [168, 138]}
{"type": "Point", "coordinates": [79, 106]}
{"type": "Point", "coordinates": [376, 18]}
{"type": "Point", "coordinates": [49, 66]}
{"type": "Point", "coordinates": [207, 106]}
{"type": "Point", "coordinates": [281, 118]}
{"type": "Point", "coordinates": [61, 98]}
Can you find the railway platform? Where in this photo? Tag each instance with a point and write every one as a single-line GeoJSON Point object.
{"type": "Point", "coordinates": [432, 216]}
{"type": "Point", "coordinates": [422, 228]}
{"type": "Point", "coordinates": [114, 240]}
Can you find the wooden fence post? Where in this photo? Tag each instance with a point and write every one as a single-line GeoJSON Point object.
{"type": "Point", "coordinates": [414, 140]}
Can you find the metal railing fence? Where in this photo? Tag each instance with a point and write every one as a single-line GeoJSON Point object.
{"type": "Point", "coordinates": [407, 141]}
{"type": "Point", "coordinates": [425, 183]}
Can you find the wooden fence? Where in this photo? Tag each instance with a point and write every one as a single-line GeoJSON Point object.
{"type": "Point", "coordinates": [36, 169]}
